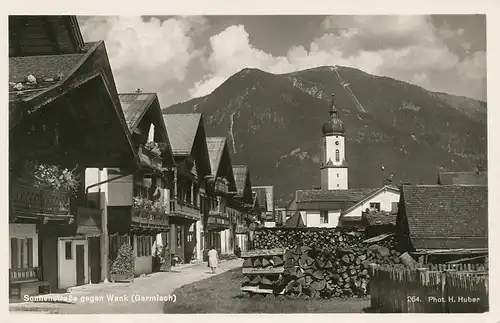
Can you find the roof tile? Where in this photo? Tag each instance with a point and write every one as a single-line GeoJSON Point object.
{"type": "Point", "coordinates": [134, 105]}
{"type": "Point", "coordinates": [182, 129]}
{"type": "Point", "coordinates": [447, 216]}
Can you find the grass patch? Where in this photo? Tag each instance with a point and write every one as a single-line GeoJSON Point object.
{"type": "Point", "coordinates": [222, 294]}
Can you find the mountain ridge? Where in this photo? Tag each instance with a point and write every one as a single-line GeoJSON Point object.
{"type": "Point", "coordinates": [412, 132]}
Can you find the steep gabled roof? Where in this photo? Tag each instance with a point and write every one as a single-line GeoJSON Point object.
{"type": "Point", "coordinates": [446, 216]}
{"type": "Point", "coordinates": [243, 183]}
{"type": "Point", "coordinates": [219, 154]}
{"type": "Point", "coordinates": [463, 178]}
{"type": "Point", "coordinates": [135, 106]}
{"type": "Point", "coordinates": [215, 149]}
{"type": "Point", "coordinates": [50, 72]}
{"type": "Point", "coordinates": [295, 221]}
{"type": "Point", "coordinates": [182, 129]}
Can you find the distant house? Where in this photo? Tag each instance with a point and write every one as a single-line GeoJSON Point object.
{"type": "Point", "coordinates": [444, 219]}
{"type": "Point", "coordinates": [463, 178]}
{"type": "Point", "coordinates": [332, 208]}
{"type": "Point", "coordinates": [379, 222]}
{"type": "Point", "coordinates": [265, 195]}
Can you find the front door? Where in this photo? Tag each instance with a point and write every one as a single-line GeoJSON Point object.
{"type": "Point", "coordinates": [95, 259]}
{"type": "Point", "coordinates": [80, 264]}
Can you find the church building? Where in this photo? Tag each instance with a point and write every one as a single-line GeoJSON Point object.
{"type": "Point", "coordinates": [335, 204]}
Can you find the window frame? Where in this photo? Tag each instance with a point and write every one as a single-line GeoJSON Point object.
{"type": "Point", "coordinates": [323, 217]}
{"type": "Point", "coordinates": [70, 244]}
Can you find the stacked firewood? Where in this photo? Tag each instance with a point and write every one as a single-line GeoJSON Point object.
{"type": "Point", "coordinates": [263, 271]}
{"type": "Point", "coordinates": [323, 238]}
{"type": "Point", "coordinates": [345, 273]}
{"type": "Point", "coordinates": [322, 263]}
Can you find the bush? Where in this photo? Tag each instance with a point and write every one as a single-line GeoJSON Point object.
{"type": "Point", "coordinates": [124, 262]}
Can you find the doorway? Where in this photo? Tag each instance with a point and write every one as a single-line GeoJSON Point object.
{"type": "Point", "coordinates": [95, 259]}
{"type": "Point", "coordinates": [80, 264]}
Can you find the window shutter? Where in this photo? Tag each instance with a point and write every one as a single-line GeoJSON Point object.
{"type": "Point", "coordinates": [13, 253]}
{"type": "Point", "coordinates": [30, 252]}
{"type": "Point", "coordinates": [22, 244]}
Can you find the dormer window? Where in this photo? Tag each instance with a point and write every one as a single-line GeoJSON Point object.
{"type": "Point", "coordinates": [337, 155]}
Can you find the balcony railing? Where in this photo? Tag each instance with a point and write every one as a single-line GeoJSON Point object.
{"type": "Point", "coordinates": [149, 159]}
{"type": "Point", "coordinates": [30, 200]}
{"type": "Point", "coordinates": [149, 217]}
{"type": "Point", "coordinates": [217, 221]}
{"type": "Point", "coordinates": [221, 186]}
{"type": "Point", "coordinates": [185, 210]}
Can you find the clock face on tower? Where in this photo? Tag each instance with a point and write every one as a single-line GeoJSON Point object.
{"type": "Point", "coordinates": [337, 143]}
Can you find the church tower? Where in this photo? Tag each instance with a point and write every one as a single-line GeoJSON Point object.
{"type": "Point", "coordinates": [333, 165]}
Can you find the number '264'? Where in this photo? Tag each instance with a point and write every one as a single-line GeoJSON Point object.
{"type": "Point", "coordinates": [413, 299]}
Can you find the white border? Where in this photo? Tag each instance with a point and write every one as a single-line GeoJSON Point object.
{"type": "Point", "coordinates": [224, 7]}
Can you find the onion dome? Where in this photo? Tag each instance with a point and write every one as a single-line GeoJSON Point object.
{"type": "Point", "coordinates": [334, 126]}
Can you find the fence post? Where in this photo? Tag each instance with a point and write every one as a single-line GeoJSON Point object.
{"type": "Point", "coordinates": [421, 285]}
{"type": "Point", "coordinates": [443, 292]}
{"type": "Point", "coordinates": [373, 286]}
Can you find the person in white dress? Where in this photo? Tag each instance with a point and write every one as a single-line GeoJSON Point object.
{"type": "Point", "coordinates": [213, 260]}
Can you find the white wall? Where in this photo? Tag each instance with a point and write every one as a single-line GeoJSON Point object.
{"type": "Point", "coordinates": [121, 190]}
{"type": "Point", "coordinates": [269, 224]}
{"type": "Point", "coordinates": [385, 198]}
{"type": "Point", "coordinates": [20, 231]}
{"type": "Point", "coordinates": [334, 178]}
{"type": "Point", "coordinates": [313, 219]}
{"type": "Point", "coordinates": [199, 230]}
{"type": "Point", "coordinates": [67, 268]}
{"type": "Point", "coordinates": [143, 265]}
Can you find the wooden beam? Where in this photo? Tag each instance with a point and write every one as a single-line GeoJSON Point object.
{"type": "Point", "coordinates": [51, 33]}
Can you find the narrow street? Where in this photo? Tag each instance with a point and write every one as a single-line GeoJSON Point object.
{"type": "Point", "coordinates": [121, 298]}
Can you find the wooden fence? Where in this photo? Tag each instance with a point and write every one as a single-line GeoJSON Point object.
{"type": "Point", "coordinates": [426, 291]}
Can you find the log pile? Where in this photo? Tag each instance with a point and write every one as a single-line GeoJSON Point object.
{"type": "Point", "coordinates": [323, 263]}
{"type": "Point", "coordinates": [323, 238]}
{"type": "Point", "coordinates": [344, 273]}
{"type": "Point", "coordinates": [263, 271]}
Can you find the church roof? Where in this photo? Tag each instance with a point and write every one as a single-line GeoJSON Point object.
{"type": "Point", "coordinates": [334, 125]}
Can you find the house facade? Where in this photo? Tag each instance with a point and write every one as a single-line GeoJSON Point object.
{"type": "Point", "coordinates": [138, 202]}
{"type": "Point", "coordinates": [220, 225]}
{"type": "Point", "coordinates": [265, 196]}
{"type": "Point", "coordinates": [245, 202]}
{"type": "Point", "coordinates": [444, 222]}
{"type": "Point", "coordinates": [190, 201]}
{"type": "Point", "coordinates": [335, 204]}
{"type": "Point", "coordinates": [61, 96]}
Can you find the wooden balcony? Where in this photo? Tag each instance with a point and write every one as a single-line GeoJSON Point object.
{"type": "Point", "coordinates": [149, 220]}
{"type": "Point", "coordinates": [185, 210]}
{"type": "Point", "coordinates": [221, 187]}
{"type": "Point", "coordinates": [241, 228]}
{"type": "Point", "coordinates": [217, 221]}
{"type": "Point", "coordinates": [31, 202]}
{"type": "Point", "coordinates": [148, 159]}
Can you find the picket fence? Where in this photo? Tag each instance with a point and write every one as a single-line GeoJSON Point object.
{"type": "Point", "coordinates": [395, 290]}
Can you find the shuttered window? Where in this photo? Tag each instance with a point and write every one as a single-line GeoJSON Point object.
{"type": "Point", "coordinates": [21, 253]}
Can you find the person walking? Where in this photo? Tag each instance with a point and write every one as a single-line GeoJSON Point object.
{"type": "Point", "coordinates": [213, 259]}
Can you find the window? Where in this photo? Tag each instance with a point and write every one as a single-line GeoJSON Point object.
{"type": "Point", "coordinates": [338, 185]}
{"type": "Point", "coordinates": [394, 207]}
{"type": "Point", "coordinates": [323, 217]}
{"type": "Point", "coordinates": [144, 246]}
{"type": "Point", "coordinates": [338, 175]}
{"type": "Point", "coordinates": [21, 253]}
{"type": "Point", "coordinates": [337, 155]}
{"type": "Point", "coordinates": [375, 206]}
{"type": "Point", "coordinates": [178, 229]}
{"type": "Point", "coordinates": [68, 250]}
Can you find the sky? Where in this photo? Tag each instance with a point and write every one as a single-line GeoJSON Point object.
{"type": "Point", "coordinates": [182, 57]}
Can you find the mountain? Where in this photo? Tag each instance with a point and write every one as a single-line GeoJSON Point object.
{"type": "Point", "coordinates": [273, 123]}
